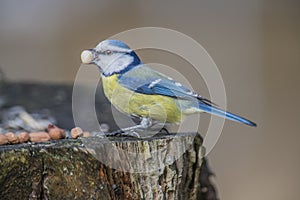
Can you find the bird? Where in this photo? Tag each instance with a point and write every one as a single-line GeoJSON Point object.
{"type": "Point", "coordinates": [139, 91]}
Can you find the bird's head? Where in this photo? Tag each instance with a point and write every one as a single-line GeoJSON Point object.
{"type": "Point", "coordinates": [111, 57]}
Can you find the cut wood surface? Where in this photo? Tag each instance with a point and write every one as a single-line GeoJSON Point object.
{"type": "Point", "coordinates": [91, 168]}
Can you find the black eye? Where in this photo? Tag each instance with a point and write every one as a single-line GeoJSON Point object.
{"type": "Point", "coordinates": [107, 52]}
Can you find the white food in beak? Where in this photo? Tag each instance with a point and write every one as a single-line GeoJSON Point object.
{"type": "Point", "coordinates": [87, 57]}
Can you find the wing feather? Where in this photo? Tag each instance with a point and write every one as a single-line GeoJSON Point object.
{"type": "Point", "coordinates": [145, 80]}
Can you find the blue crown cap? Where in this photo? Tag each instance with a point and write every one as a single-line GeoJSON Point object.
{"type": "Point", "coordinates": [118, 43]}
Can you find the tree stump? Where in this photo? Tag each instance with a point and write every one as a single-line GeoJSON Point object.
{"type": "Point", "coordinates": [166, 166]}
{"type": "Point", "coordinates": [70, 169]}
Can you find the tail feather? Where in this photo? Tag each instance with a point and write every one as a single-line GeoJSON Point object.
{"type": "Point", "coordinates": [221, 113]}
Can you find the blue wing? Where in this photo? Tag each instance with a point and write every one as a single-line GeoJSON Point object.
{"type": "Point", "coordinates": [147, 81]}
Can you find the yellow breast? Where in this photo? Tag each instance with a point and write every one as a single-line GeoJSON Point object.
{"type": "Point", "coordinates": [157, 107]}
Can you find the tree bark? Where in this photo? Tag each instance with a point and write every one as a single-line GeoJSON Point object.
{"type": "Point", "coordinates": [89, 168]}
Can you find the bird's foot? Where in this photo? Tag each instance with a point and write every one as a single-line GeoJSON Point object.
{"type": "Point", "coordinates": [132, 131]}
{"type": "Point", "coordinates": [118, 133]}
{"type": "Point", "coordinates": [122, 133]}
{"type": "Point", "coordinates": [138, 131]}
{"type": "Point", "coordinates": [164, 131]}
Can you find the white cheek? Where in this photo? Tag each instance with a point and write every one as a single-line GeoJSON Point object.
{"type": "Point", "coordinates": [99, 62]}
{"type": "Point", "coordinates": [114, 63]}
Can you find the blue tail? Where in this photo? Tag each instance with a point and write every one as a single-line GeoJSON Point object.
{"type": "Point", "coordinates": [218, 112]}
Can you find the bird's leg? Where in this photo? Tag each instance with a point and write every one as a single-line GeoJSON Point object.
{"type": "Point", "coordinates": [130, 131]}
{"type": "Point", "coordinates": [144, 124]}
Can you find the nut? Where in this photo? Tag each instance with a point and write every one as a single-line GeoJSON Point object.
{"type": "Point", "coordinates": [23, 137]}
{"type": "Point", "coordinates": [76, 132]}
{"type": "Point", "coordinates": [3, 139]}
{"type": "Point", "coordinates": [39, 137]}
{"type": "Point", "coordinates": [86, 134]}
{"type": "Point", "coordinates": [56, 133]}
{"type": "Point", "coordinates": [12, 138]}
{"type": "Point", "coordinates": [87, 57]}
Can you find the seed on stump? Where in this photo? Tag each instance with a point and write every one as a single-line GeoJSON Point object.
{"type": "Point", "coordinates": [86, 134]}
{"type": "Point", "coordinates": [12, 138]}
{"type": "Point", "coordinates": [56, 133]}
{"type": "Point", "coordinates": [23, 137]}
{"type": "Point", "coordinates": [3, 139]}
{"type": "Point", "coordinates": [76, 132]}
{"type": "Point", "coordinates": [39, 137]}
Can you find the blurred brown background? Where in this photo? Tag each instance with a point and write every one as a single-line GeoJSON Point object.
{"type": "Point", "coordinates": [256, 45]}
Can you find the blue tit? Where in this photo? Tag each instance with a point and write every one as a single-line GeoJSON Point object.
{"type": "Point", "coordinates": [137, 90]}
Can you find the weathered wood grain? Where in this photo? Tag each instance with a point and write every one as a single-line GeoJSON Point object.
{"type": "Point", "coordinates": [71, 169]}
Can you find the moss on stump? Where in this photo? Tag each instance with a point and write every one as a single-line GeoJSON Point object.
{"type": "Point", "coordinates": [66, 169]}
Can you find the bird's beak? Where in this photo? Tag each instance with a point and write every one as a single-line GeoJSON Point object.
{"type": "Point", "coordinates": [88, 56]}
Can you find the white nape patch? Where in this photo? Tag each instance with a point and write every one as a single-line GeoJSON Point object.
{"type": "Point", "coordinates": [103, 46]}
{"type": "Point", "coordinates": [178, 84]}
{"type": "Point", "coordinates": [154, 83]}
{"type": "Point", "coordinates": [170, 78]}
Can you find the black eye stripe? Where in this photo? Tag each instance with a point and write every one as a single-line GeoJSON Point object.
{"type": "Point", "coordinates": [108, 52]}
